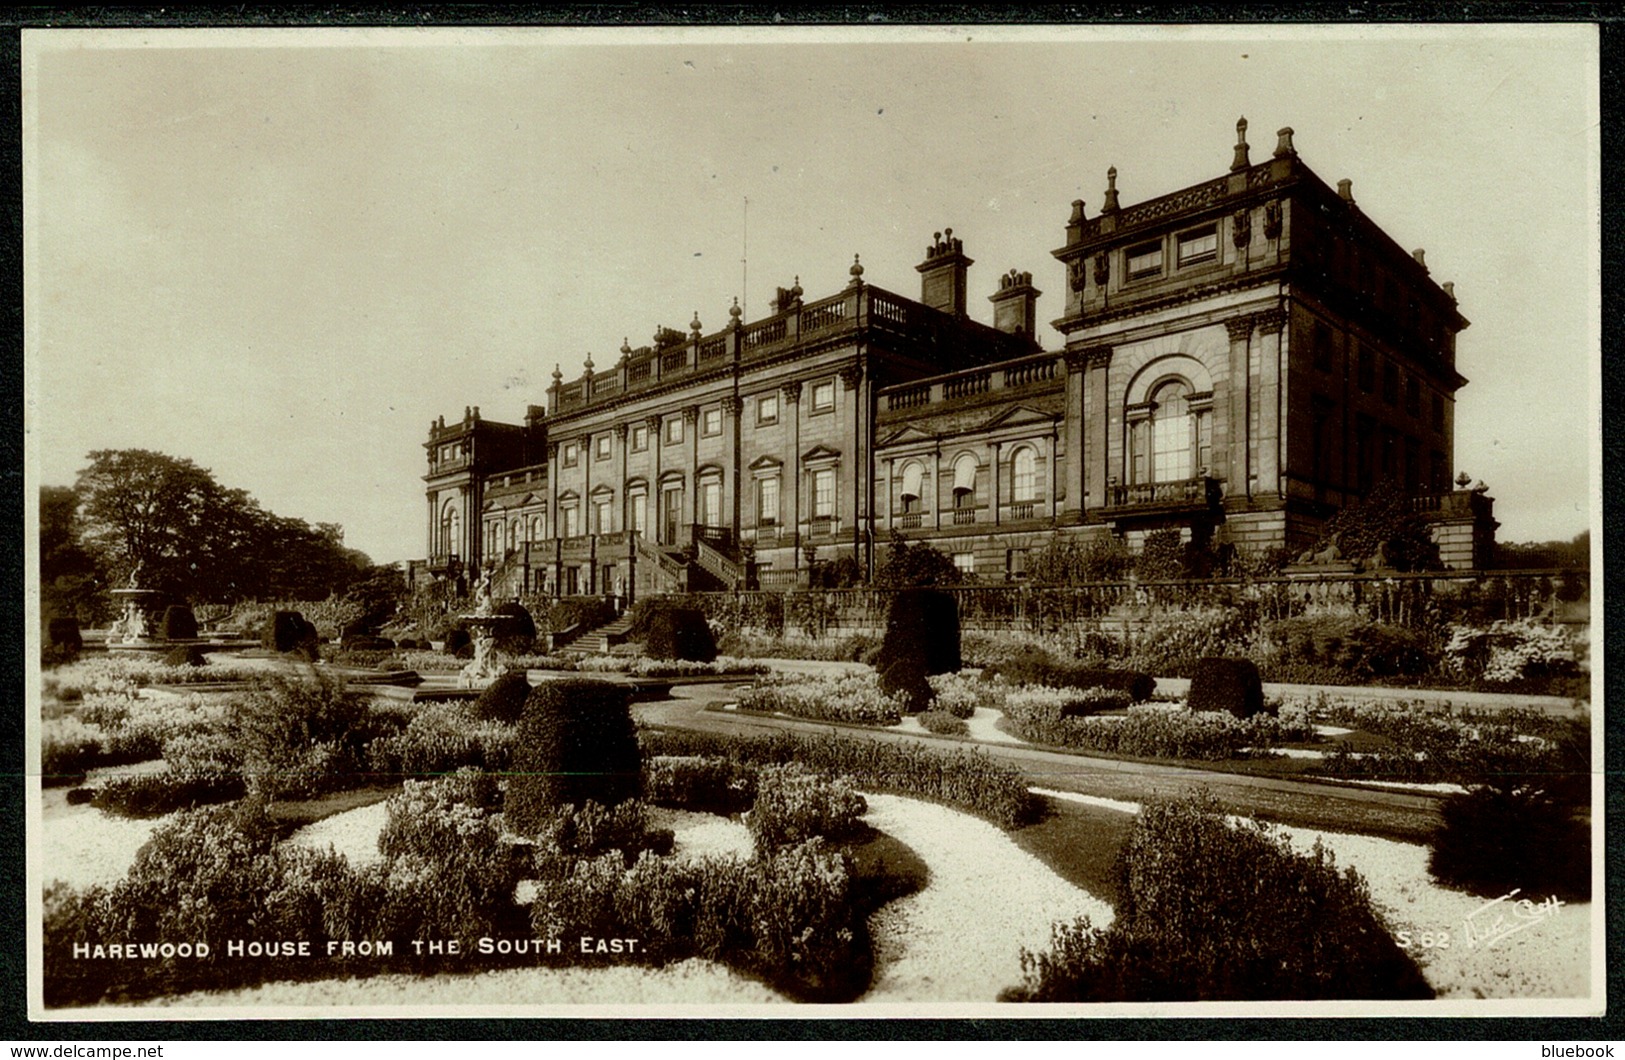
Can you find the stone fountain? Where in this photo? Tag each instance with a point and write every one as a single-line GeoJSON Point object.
{"type": "Point", "coordinates": [488, 663]}
{"type": "Point", "coordinates": [133, 628]}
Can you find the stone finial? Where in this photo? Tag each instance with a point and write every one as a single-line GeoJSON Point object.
{"type": "Point", "coordinates": [558, 376]}
{"type": "Point", "coordinates": [694, 325]}
{"type": "Point", "coordinates": [734, 312]}
{"type": "Point", "coordinates": [1241, 160]}
{"type": "Point", "coordinates": [1110, 205]}
{"type": "Point", "coordinates": [1420, 257]}
{"type": "Point", "coordinates": [1283, 143]}
{"type": "Point", "coordinates": [795, 289]}
{"type": "Point", "coordinates": [1462, 479]}
{"type": "Point", "coordinates": [476, 415]}
{"type": "Point", "coordinates": [1345, 190]}
{"type": "Point", "coordinates": [1449, 290]}
{"type": "Point", "coordinates": [626, 347]}
{"type": "Point", "coordinates": [1077, 213]}
{"type": "Point", "coordinates": [856, 271]}
{"type": "Point", "coordinates": [589, 364]}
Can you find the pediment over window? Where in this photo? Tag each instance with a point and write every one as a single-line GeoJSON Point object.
{"type": "Point", "coordinates": [569, 495]}
{"type": "Point", "coordinates": [907, 435]}
{"type": "Point", "coordinates": [766, 463]}
{"type": "Point", "coordinates": [820, 452]}
{"type": "Point", "coordinates": [1020, 416]}
{"type": "Point", "coordinates": [488, 506]}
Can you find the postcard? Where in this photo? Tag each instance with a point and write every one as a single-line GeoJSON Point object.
{"type": "Point", "coordinates": [783, 521]}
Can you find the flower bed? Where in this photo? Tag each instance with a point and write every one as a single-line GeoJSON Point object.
{"type": "Point", "coordinates": [1156, 732]}
{"type": "Point", "coordinates": [852, 698]}
{"type": "Point", "coordinates": [643, 666]}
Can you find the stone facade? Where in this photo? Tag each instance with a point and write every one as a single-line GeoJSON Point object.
{"type": "Point", "coordinates": [1241, 358]}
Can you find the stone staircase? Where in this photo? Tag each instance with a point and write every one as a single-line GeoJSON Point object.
{"type": "Point", "coordinates": [602, 639]}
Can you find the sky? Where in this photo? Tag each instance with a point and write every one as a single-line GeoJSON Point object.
{"type": "Point", "coordinates": [282, 254]}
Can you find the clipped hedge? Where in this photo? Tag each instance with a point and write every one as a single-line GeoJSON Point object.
{"type": "Point", "coordinates": [1231, 685]}
{"type": "Point", "coordinates": [1207, 911]}
{"type": "Point", "coordinates": [1493, 840]}
{"type": "Point", "coordinates": [503, 700]}
{"type": "Point", "coordinates": [186, 655]}
{"type": "Point", "coordinates": [707, 784]}
{"type": "Point", "coordinates": [516, 632]}
{"type": "Point", "coordinates": [922, 640]}
{"type": "Point", "coordinates": [576, 743]}
{"type": "Point", "coordinates": [287, 631]}
{"type": "Point", "coordinates": [178, 623]}
{"type": "Point", "coordinates": [1031, 665]}
{"type": "Point", "coordinates": [679, 633]}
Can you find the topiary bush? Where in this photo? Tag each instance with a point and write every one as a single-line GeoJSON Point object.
{"type": "Point", "coordinates": [302, 738]}
{"type": "Point", "coordinates": [943, 724]}
{"type": "Point", "coordinates": [186, 655]}
{"type": "Point", "coordinates": [705, 783]}
{"type": "Point", "coordinates": [178, 623]}
{"type": "Point", "coordinates": [516, 633]}
{"type": "Point", "coordinates": [794, 804]}
{"type": "Point", "coordinates": [1231, 685]}
{"type": "Point", "coordinates": [62, 634]}
{"type": "Point", "coordinates": [287, 631]}
{"type": "Point", "coordinates": [1211, 912]}
{"type": "Point", "coordinates": [679, 633]}
{"type": "Point", "coordinates": [922, 639]}
{"type": "Point", "coordinates": [576, 742]}
{"type": "Point", "coordinates": [458, 641]}
{"type": "Point", "coordinates": [503, 699]}
{"type": "Point", "coordinates": [1492, 840]}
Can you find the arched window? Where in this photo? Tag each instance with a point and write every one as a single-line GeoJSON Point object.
{"type": "Point", "coordinates": [513, 535]}
{"type": "Point", "coordinates": [450, 529]}
{"type": "Point", "coordinates": [913, 478]}
{"type": "Point", "coordinates": [1024, 475]}
{"type": "Point", "coordinates": [1170, 437]}
{"type": "Point", "coordinates": [965, 481]}
{"type": "Point", "coordinates": [538, 528]}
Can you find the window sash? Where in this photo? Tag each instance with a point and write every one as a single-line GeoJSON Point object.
{"type": "Point", "coordinates": [823, 487]}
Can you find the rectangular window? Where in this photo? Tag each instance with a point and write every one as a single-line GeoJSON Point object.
{"type": "Point", "coordinates": [823, 493]}
{"type": "Point", "coordinates": [1015, 564]}
{"type": "Point", "coordinates": [965, 562]}
{"type": "Point", "coordinates": [570, 520]}
{"type": "Point", "coordinates": [640, 438]}
{"type": "Point", "coordinates": [1390, 383]}
{"type": "Point", "coordinates": [637, 511]}
{"type": "Point", "coordinates": [767, 502]}
{"type": "Point", "coordinates": [603, 516]}
{"type": "Point", "coordinates": [1438, 412]}
{"type": "Point", "coordinates": [711, 503]}
{"type": "Point", "coordinates": [1320, 347]}
{"type": "Point", "coordinates": [601, 444]}
{"type": "Point", "coordinates": [1198, 246]}
{"type": "Point", "coordinates": [823, 396]}
{"type": "Point", "coordinates": [1143, 260]}
{"type": "Point", "coordinates": [711, 422]}
{"type": "Point", "coordinates": [571, 455]}
{"type": "Point", "coordinates": [674, 430]}
{"type": "Point", "coordinates": [1413, 396]}
{"type": "Point", "coordinates": [1367, 370]}
{"type": "Point", "coordinates": [767, 409]}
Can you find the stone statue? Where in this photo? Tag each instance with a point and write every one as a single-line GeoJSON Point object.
{"type": "Point", "coordinates": [483, 604]}
{"type": "Point", "coordinates": [135, 574]}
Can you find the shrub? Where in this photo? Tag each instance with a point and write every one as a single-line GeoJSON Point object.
{"type": "Point", "coordinates": [922, 639]}
{"type": "Point", "coordinates": [679, 633]}
{"type": "Point", "coordinates": [1359, 648]}
{"type": "Point", "coordinates": [853, 698]}
{"type": "Point", "coordinates": [516, 632]}
{"type": "Point", "coordinates": [62, 633]}
{"type": "Point", "coordinates": [1064, 702]}
{"type": "Point", "coordinates": [956, 695]}
{"type": "Point", "coordinates": [1492, 840]}
{"type": "Point", "coordinates": [576, 742]}
{"type": "Point", "coordinates": [1207, 911]}
{"type": "Point", "coordinates": [1230, 685]}
{"type": "Point", "coordinates": [1031, 665]}
{"type": "Point", "coordinates": [442, 738]}
{"type": "Point", "coordinates": [178, 623]}
{"type": "Point", "coordinates": [155, 794]}
{"type": "Point", "coordinates": [503, 700]}
{"type": "Point", "coordinates": [1161, 558]}
{"type": "Point", "coordinates": [1146, 732]}
{"type": "Point", "coordinates": [68, 747]}
{"type": "Point", "coordinates": [458, 641]}
{"type": "Point", "coordinates": [301, 738]}
{"type": "Point", "coordinates": [856, 647]}
{"type": "Point", "coordinates": [591, 830]}
{"type": "Point", "coordinates": [588, 612]}
{"type": "Point", "coordinates": [794, 804]}
{"type": "Point", "coordinates": [186, 655]}
{"type": "Point", "coordinates": [287, 631]}
{"type": "Point", "coordinates": [943, 724]}
{"type": "Point", "coordinates": [708, 784]}
{"type": "Point", "coordinates": [966, 778]}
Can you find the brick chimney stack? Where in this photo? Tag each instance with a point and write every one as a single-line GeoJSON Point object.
{"type": "Point", "coordinates": [942, 274]}
{"type": "Point", "coordinates": [1015, 305]}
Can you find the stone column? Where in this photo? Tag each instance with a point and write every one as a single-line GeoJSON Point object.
{"type": "Point", "coordinates": [657, 441]}
{"type": "Point", "coordinates": [621, 431]}
{"type": "Point", "coordinates": [1094, 427]}
{"type": "Point", "coordinates": [1076, 472]}
{"type": "Point", "coordinates": [691, 442]}
{"type": "Point", "coordinates": [1238, 409]}
{"type": "Point", "coordinates": [1271, 389]}
{"type": "Point", "coordinates": [852, 381]}
{"type": "Point", "coordinates": [553, 514]}
{"type": "Point", "coordinates": [792, 468]}
{"type": "Point", "coordinates": [996, 500]}
{"type": "Point", "coordinates": [936, 488]}
{"type": "Point", "coordinates": [732, 408]}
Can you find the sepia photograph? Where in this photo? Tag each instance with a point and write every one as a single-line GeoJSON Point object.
{"type": "Point", "coordinates": [944, 521]}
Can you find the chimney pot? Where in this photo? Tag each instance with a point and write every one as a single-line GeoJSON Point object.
{"type": "Point", "coordinates": [1345, 190]}
{"type": "Point", "coordinates": [1240, 161]}
{"type": "Point", "coordinates": [1450, 290]}
{"type": "Point", "coordinates": [1283, 143]}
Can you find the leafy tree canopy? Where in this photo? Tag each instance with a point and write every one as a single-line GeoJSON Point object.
{"type": "Point", "coordinates": [909, 565]}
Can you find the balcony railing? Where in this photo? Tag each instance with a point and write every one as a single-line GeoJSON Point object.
{"type": "Point", "coordinates": [1181, 494]}
{"type": "Point", "coordinates": [1023, 509]}
{"type": "Point", "coordinates": [964, 516]}
{"type": "Point", "coordinates": [909, 520]}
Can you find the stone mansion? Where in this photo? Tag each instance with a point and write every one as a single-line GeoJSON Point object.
{"type": "Point", "coordinates": [1238, 360]}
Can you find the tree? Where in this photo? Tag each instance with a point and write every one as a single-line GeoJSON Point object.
{"type": "Point", "coordinates": [1067, 560]}
{"type": "Point", "coordinates": [71, 582]}
{"type": "Point", "coordinates": [197, 539]}
{"type": "Point", "coordinates": [909, 566]}
{"type": "Point", "coordinates": [1385, 518]}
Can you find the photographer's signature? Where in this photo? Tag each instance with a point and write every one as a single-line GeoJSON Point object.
{"type": "Point", "coordinates": [1503, 917]}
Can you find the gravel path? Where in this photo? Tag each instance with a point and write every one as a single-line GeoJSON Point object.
{"type": "Point", "coordinates": [82, 846]}
{"type": "Point", "coordinates": [960, 937]}
{"type": "Point", "coordinates": [511, 992]}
